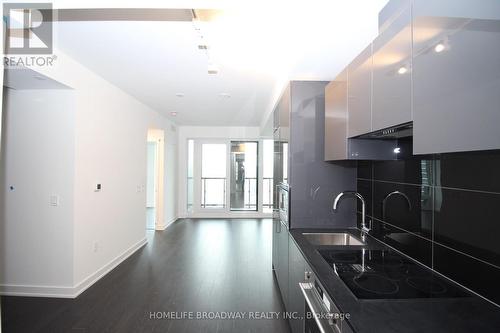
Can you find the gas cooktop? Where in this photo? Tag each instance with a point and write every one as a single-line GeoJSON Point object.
{"type": "Point", "coordinates": [385, 274]}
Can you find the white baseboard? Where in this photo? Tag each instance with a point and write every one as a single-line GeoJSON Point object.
{"type": "Point", "coordinates": [166, 225]}
{"type": "Point", "coordinates": [36, 291]}
{"type": "Point", "coordinates": [246, 215]}
{"type": "Point", "coordinates": [70, 292]}
{"type": "Point", "coordinates": [93, 278]}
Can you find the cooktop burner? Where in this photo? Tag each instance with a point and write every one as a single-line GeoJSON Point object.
{"type": "Point", "coordinates": [376, 284]}
{"type": "Point", "coordinates": [426, 285]}
{"type": "Point", "coordinates": [385, 274]}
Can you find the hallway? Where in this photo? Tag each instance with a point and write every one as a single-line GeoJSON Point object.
{"type": "Point", "coordinates": [209, 265]}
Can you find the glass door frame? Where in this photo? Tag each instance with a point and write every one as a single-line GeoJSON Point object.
{"type": "Point", "coordinates": [197, 168]}
{"type": "Point", "coordinates": [197, 176]}
{"type": "Point", "coordinates": [258, 205]}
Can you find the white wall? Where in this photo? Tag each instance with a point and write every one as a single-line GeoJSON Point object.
{"type": "Point", "coordinates": [110, 148]}
{"type": "Point", "coordinates": [211, 132]}
{"type": "Point", "coordinates": [36, 239]}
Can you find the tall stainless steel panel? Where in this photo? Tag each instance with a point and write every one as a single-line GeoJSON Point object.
{"type": "Point", "coordinates": [314, 182]}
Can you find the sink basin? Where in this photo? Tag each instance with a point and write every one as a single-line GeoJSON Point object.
{"type": "Point", "coordinates": [332, 238]}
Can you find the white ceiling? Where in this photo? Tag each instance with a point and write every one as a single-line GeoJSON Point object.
{"type": "Point", "coordinates": [24, 78]}
{"type": "Point", "coordinates": [256, 50]}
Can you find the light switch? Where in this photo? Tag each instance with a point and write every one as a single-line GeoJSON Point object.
{"type": "Point", "coordinates": [54, 200]}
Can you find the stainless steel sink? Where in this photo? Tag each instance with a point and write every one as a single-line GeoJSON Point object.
{"type": "Point", "coordinates": [332, 238]}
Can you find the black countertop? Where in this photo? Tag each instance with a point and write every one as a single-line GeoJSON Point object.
{"type": "Point", "coordinates": [462, 314]}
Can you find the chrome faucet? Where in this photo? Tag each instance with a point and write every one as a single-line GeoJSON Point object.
{"type": "Point", "coordinates": [364, 229]}
{"type": "Point", "coordinates": [390, 195]}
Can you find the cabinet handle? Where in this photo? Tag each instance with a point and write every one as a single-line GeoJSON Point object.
{"type": "Point", "coordinates": [315, 305]}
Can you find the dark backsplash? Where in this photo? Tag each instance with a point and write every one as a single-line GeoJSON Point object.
{"type": "Point", "coordinates": [450, 224]}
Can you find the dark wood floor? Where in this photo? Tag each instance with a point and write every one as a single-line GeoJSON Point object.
{"type": "Point", "coordinates": [193, 266]}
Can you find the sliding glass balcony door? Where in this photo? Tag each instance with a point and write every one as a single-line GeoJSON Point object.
{"type": "Point", "coordinates": [244, 175]}
{"type": "Point", "coordinates": [228, 176]}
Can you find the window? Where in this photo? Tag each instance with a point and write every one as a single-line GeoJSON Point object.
{"type": "Point", "coordinates": [267, 176]}
{"type": "Point", "coordinates": [213, 175]}
{"type": "Point", "coordinates": [190, 176]}
{"type": "Point", "coordinates": [244, 180]}
{"type": "Point", "coordinates": [225, 176]}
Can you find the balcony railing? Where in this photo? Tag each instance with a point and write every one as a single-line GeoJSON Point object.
{"type": "Point", "coordinates": [213, 192]}
{"type": "Point", "coordinates": [267, 189]}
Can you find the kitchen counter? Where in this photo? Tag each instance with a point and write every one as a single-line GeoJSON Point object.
{"type": "Point", "coordinates": [460, 314]}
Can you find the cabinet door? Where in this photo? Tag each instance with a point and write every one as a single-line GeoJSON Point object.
{"type": "Point", "coordinates": [283, 264]}
{"type": "Point", "coordinates": [336, 118]}
{"type": "Point", "coordinates": [456, 82]}
{"type": "Point", "coordinates": [296, 303]}
{"type": "Point", "coordinates": [359, 94]}
{"type": "Point", "coordinates": [391, 99]}
{"type": "Point", "coordinates": [276, 229]}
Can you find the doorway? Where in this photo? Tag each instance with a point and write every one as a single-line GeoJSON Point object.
{"type": "Point", "coordinates": [155, 179]}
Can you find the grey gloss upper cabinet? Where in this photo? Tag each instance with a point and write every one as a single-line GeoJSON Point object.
{"type": "Point", "coordinates": [359, 93]}
{"type": "Point", "coordinates": [391, 70]}
{"type": "Point", "coordinates": [336, 118]}
{"type": "Point", "coordinates": [456, 84]}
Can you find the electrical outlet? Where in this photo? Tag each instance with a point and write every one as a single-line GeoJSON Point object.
{"type": "Point", "coordinates": [54, 200]}
{"type": "Point", "coordinates": [96, 246]}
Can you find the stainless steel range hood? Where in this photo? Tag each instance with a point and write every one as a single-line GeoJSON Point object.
{"type": "Point", "coordinates": [393, 143]}
{"type": "Point", "coordinates": [396, 132]}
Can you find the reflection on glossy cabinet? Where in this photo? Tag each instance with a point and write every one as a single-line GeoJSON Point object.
{"type": "Point", "coordinates": [359, 93]}
{"type": "Point", "coordinates": [391, 96]}
{"type": "Point", "coordinates": [456, 84]}
{"type": "Point", "coordinates": [336, 118]}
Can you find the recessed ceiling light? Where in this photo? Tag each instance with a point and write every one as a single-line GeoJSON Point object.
{"type": "Point", "coordinates": [225, 95]}
{"type": "Point", "coordinates": [173, 113]}
{"type": "Point", "coordinates": [179, 94]}
{"type": "Point", "coordinates": [439, 47]}
{"type": "Point", "coordinates": [402, 70]}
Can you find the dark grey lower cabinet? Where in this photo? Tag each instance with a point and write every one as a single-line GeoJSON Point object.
{"type": "Point", "coordinates": [280, 258]}
{"type": "Point", "coordinates": [282, 276]}
{"type": "Point", "coordinates": [276, 222]}
{"type": "Point", "coordinates": [296, 273]}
